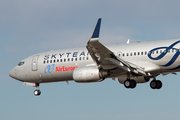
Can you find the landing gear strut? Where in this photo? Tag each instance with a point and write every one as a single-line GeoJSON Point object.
{"type": "Point", "coordinates": [37, 92]}
{"type": "Point", "coordinates": [156, 84]}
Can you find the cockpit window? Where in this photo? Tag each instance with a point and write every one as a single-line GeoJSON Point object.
{"type": "Point", "coordinates": [21, 63]}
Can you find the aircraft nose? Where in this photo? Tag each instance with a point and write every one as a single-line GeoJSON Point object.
{"type": "Point", "coordinates": [12, 73]}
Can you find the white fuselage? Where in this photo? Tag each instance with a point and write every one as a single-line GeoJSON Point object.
{"type": "Point", "coordinates": [55, 66]}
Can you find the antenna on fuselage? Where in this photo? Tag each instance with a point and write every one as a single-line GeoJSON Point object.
{"type": "Point", "coordinates": [128, 41]}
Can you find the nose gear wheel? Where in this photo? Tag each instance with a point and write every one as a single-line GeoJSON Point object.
{"type": "Point", "coordinates": [37, 92]}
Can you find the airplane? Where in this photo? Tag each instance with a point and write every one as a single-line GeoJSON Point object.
{"type": "Point", "coordinates": [130, 63]}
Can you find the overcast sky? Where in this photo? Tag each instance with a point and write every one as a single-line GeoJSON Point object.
{"type": "Point", "coordinates": [33, 26]}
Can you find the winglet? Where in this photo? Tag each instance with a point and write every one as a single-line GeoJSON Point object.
{"type": "Point", "coordinates": [96, 29]}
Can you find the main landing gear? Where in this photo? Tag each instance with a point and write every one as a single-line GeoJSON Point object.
{"type": "Point", "coordinates": [156, 84]}
{"type": "Point", "coordinates": [130, 83]}
{"type": "Point", "coordinates": [37, 92]}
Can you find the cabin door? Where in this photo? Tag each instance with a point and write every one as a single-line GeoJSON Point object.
{"type": "Point", "coordinates": [34, 66]}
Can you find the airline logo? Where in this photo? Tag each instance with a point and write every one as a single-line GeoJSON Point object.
{"type": "Point", "coordinates": [51, 68]}
{"type": "Point", "coordinates": [63, 68]}
{"type": "Point", "coordinates": [166, 49]}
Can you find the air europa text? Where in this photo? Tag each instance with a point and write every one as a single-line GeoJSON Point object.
{"type": "Point", "coordinates": [63, 68]}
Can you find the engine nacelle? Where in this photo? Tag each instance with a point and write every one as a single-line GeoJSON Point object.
{"type": "Point", "coordinates": [89, 74]}
{"type": "Point", "coordinates": [138, 79]}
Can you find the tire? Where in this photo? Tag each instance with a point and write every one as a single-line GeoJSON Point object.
{"type": "Point", "coordinates": [153, 84]}
{"type": "Point", "coordinates": [159, 84]}
{"type": "Point", "coordinates": [37, 92]}
{"type": "Point", "coordinates": [133, 84]}
{"type": "Point", "coordinates": [127, 83]}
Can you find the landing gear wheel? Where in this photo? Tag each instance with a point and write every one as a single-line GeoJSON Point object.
{"type": "Point", "coordinates": [159, 84]}
{"type": "Point", "coordinates": [133, 85]}
{"type": "Point", "coordinates": [156, 84]}
{"type": "Point", "coordinates": [153, 84]}
{"type": "Point", "coordinates": [127, 83]}
{"type": "Point", "coordinates": [130, 83]}
{"type": "Point", "coordinates": [37, 92]}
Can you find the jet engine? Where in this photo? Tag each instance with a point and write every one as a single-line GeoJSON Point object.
{"type": "Point", "coordinates": [89, 74]}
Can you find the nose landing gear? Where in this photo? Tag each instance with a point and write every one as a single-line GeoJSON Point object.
{"type": "Point", "coordinates": [37, 92]}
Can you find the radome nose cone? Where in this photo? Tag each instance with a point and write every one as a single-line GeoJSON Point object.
{"type": "Point", "coordinates": [12, 73]}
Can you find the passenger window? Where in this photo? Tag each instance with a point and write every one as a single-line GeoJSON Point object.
{"type": "Point", "coordinates": [145, 52]}
{"type": "Point", "coordinates": [164, 51]}
{"type": "Point", "coordinates": [157, 52]}
{"type": "Point", "coordinates": [87, 58]}
{"type": "Point", "coordinates": [127, 54]}
{"type": "Point", "coordinates": [138, 53]}
{"type": "Point", "coordinates": [47, 61]}
{"type": "Point", "coordinates": [141, 53]}
{"type": "Point", "coordinates": [152, 52]}
{"type": "Point", "coordinates": [21, 63]}
{"type": "Point", "coordinates": [44, 62]}
{"type": "Point", "coordinates": [71, 59]}
{"type": "Point", "coordinates": [131, 54]}
{"type": "Point", "coordinates": [83, 58]}
{"type": "Point", "coordinates": [61, 60]}
{"type": "Point", "coordinates": [177, 50]}
{"type": "Point", "coordinates": [64, 60]}
{"type": "Point", "coordinates": [54, 61]}
{"type": "Point", "coordinates": [123, 54]}
{"type": "Point", "coordinates": [80, 58]}
{"type": "Point", "coordinates": [68, 59]}
{"type": "Point", "coordinates": [57, 60]}
{"type": "Point", "coordinates": [75, 59]}
{"type": "Point", "coordinates": [50, 61]}
{"type": "Point", "coordinates": [134, 53]}
{"type": "Point", "coordinates": [160, 51]}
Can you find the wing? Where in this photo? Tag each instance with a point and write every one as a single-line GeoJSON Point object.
{"type": "Point", "coordinates": [106, 59]}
